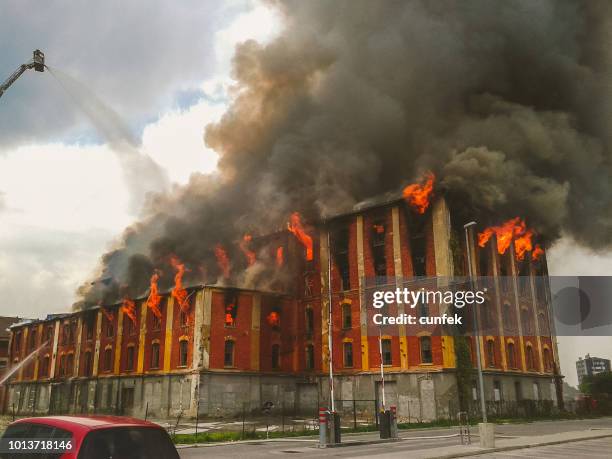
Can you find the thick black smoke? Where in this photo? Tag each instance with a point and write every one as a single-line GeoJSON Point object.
{"type": "Point", "coordinates": [508, 102]}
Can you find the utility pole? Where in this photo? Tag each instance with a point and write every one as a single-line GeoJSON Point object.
{"type": "Point", "coordinates": [330, 323]}
{"type": "Point", "coordinates": [486, 430]}
{"type": "Point", "coordinates": [468, 245]}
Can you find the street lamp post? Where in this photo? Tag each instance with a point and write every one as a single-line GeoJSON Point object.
{"type": "Point", "coordinates": [468, 244]}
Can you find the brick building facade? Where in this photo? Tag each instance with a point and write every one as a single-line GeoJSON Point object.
{"type": "Point", "coordinates": [236, 348]}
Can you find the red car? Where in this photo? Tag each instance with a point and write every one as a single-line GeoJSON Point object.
{"type": "Point", "coordinates": [86, 437]}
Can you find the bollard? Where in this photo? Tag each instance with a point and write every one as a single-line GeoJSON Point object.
{"type": "Point", "coordinates": [393, 423]}
{"type": "Point", "coordinates": [322, 427]}
{"type": "Point", "coordinates": [486, 430]}
{"type": "Point", "coordinates": [333, 429]}
{"type": "Point", "coordinates": [384, 425]}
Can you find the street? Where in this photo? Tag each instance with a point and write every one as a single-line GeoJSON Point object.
{"type": "Point", "coordinates": [419, 441]}
{"type": "Point", "coordinates": [590, 448]}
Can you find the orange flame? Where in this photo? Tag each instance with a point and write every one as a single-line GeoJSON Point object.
{"type": "Point", "coordinates": [515, 230]}
{"type": "Point", "coordinates": [417, 195]}
{"type": "Point", "coordinates": [222, 260]}
{"type": "Point", "coordinates": [273, 319]}
{"type": "Point", "coordinates": [537, 252]}
{"type": "Point", "coordinates": [229, 314]}
{"type": "Point", "coordinates": [108, 314]}
{"type": "Point", "coordinates": [522, 245]}
{"type": "Point", "coordinates": [280, 257]}
{"type": "Point", "coordinates": [129, 309]}
{"type": "Point", "coordinates": [178, 292]}
{"type": "Point", "coordinates": [154, 298]}
{"type": "Point", "coordinates": [248, 253]}
{"type": "Point", "coordinates": [295, 226]}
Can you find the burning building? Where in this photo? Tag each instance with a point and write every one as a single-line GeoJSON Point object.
{"type": "Point", "coordinates": [217, 348]}
{"type": "Point", "coordinates": [219, 296]}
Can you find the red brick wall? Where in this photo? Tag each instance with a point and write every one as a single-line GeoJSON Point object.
{"type": "Point", "coordinates": [158, 334]}
{"type": "Point", "coordinates": [179, 330]}
{"type": "Point", "coordinates": [240, 333]}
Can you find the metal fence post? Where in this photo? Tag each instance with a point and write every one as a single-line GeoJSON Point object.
{"type": "Point", "coordinates": [354, 414]}
{"type": "Point", "coordinates": [197, 418]}
{"type": "Point", "coordinates": [376, 413]}
{"type": "Point", "coordinates": [146, 411]}
{"type": "Point", "coordinates": [242, 437]}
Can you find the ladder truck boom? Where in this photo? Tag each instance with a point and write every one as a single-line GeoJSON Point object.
{"type": "Point", "coordinates": [37, 63]}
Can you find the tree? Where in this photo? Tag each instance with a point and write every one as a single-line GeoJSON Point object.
{"type": "Point", "coordinates": [597, 385]}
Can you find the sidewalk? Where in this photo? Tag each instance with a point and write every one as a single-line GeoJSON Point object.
{"type": "Point", "coordinates": [508, 444]}
{"type": "Point", "coordinates": [455, 450]}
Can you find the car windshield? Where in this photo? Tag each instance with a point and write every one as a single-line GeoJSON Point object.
{"type": "Point", "coordinates": [33, 431]}
{"type": "Point", "coordinates": [128, 443]}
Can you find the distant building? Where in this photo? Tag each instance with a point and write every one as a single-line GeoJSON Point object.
{"type": "Point", "coordinates": [590, 366]}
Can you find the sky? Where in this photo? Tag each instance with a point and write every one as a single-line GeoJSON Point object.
{"type": "Point", "coordinates": [165, 67]}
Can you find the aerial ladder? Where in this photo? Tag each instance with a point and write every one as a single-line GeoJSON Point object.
{"type": "Point", "coordinates": [37, 63]}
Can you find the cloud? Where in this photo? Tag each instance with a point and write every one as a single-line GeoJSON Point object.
{"type": "Point", "coordinates": [137, 56]}
{"type": "Point", "coordinates": [40, 268]}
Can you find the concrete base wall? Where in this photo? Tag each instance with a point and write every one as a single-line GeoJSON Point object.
{"type": "Point", "coordinates": [417, 396]}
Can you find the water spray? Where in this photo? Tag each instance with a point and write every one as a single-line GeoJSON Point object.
{"type": "Point", "coordinates": [37, 63]}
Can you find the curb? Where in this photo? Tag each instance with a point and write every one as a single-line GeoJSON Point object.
{"type": "Point", "coordinates": [525, 446]}
{"type": "Point", "coordinates": [361, 442]}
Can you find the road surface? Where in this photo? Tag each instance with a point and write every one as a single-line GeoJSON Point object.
{"type": "Point", "coordinates": [418, 440]}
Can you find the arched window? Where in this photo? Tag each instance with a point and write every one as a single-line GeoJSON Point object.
{"type": "Point", "coordinates": [109, 329]}
{"type": "Point", "coordinates": [87, 364]}
{"type": "Point", "coordinates": [62, 365]}
{"type": "Point", "coordinates": [490, 353]}
{"type": "Point", "coordinates": [129, 358]}
{"type": "Point", "coordinates": [228, 354]}
{"type": "Point", "coordinates": [387, 355]}
{"type": "Point", "coordinates": [508, 317]}
{"type": "Point", "coordinates": [547, 360]}
{"type": "Point", "coordinates": [131, 326]}
{"type": "Point", "coordinates": [309, 320]}
{"type": "Point", "coordinates": [276, 356]}
{"type": "Point", "coordinates": [529, 357]}
{"type": "Point", "coordinates": [32, 340]}
{"type": "Point", "coordinates": [347, 348]}
{"type": "Point", "coordinates": [526, 322]}
{"type": "Point", "coordinates": [425, 343]}
{"type": "Point", "coordinates": [108, 359]}
{"type": "Point", "coordinates": [44, 367]}
{"type": "Point", "coordinates": [310, 358]}
{"type": "Point", "coordinates": [511, 356]}
{"type": "Point", "coordinates": [69, 364]}
{"type": "Point", "coordinates": [347, 319]}
{"type": "Point", "coordinates": [155, 355]}
{"type": "Point", "coordinates": [184, 318]}
{"type": "Point", "coordinates": [183, 351]}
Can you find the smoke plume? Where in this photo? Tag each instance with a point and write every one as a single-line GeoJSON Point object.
{"type": "Point", "coordinates": [142, 175]}
{"type": "Point", "coordinates": [507, 102]}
